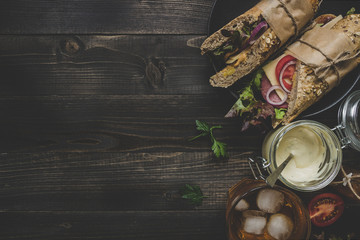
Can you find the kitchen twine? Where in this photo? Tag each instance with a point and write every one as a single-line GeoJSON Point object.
{"type": "Point", "coordinates": [347, 181]}
{"type": "Point", "coordinates": [283, 5]}
{"type": "Point", "coordinates": [297, 32]}
{"type": "Point", "coordinates": [325, 68]}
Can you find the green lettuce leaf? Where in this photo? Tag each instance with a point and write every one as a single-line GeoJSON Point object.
{"type": "Point", "coordinates": [280, 113]}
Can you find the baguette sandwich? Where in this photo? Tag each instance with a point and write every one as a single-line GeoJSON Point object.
{"type": "Point", "coordinates": [308, 86]}
{"type": "Point", "coordinates": [306, 71]}
{"type": "Point", "coordinates": [249, 40]}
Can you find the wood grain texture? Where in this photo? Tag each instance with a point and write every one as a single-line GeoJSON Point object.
{"type": "Point", "coordinates": [106, 17]}
{"type": "Point", "coordinates": [115, 123]}
{"type": "Point", "coordinates": [116, 181]}
{"type": "Point", "coordinates": [152, 225]}
{"type": "Point", "coordinates": [120, 17]}
{"type": "Point", "coordinates": [98, 100]}
{"type": "Point", "coordinates": [149, 225]}
{"type": "Point", "coordinates": [115, 224]}
{"type": "Point", "coordinates": [122, 123]}
{"type": "Point", "coordinates": [123, 196]}
{"type": "Point", "coordinates": [47, 65]}
{"type": "Point", "coordinates": [121, 181]}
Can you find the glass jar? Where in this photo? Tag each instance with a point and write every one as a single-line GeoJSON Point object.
{"type": "Point", "coordinates": [318, 149]}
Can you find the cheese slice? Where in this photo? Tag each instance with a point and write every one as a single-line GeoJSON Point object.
{"type": "Point", "coordinates": [269, 70]}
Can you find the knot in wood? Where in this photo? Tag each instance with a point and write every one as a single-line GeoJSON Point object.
{"type": "Point", "coordinates": [171, 195]}
{"type": "Point", "coordinates": [71, 46]}
{"type": "Point", "coordinates": [155, 74]}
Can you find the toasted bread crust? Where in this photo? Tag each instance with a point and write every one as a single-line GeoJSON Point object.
{"type": "Point", "coordinates": [217, 39]}
{"type": "Point", "coordinates": [307, 89]}
{"type": "Point", "coordinates": [315, 5]}
{"type": "Point", "coordinates": [350, 25]}
{"type": "Point", "coordinates": [256, 55]}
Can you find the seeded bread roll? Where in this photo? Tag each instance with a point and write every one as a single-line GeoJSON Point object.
{"type": "Point", "coordinates": [250, 58]}
{"type": "Point", "coordinates": [217, 38]}
{"type": "Point", "coordinates": [307, 88]}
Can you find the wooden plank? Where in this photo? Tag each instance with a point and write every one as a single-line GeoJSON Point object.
{"type": "Point", "coordinates": [122, 181]}
{"type": "Point", "coordinates": [47, 65]}
{"type": "Point", "coordinates": [191, 225]}
{"type": "Point", "coordinates": [148, 225]}
{"type": "Point", "coordinates": [120, 17]}
{"type": "Point", "coordinates": [105, 17]}
{"type": "Point", "coordinates": [122, 123]}
{"type": "Point", "coordinates": [116, 181]}
{"type": "Point", "coordinates": [197, 225]}
{"type": "Point", "coordinates": [115, 123]}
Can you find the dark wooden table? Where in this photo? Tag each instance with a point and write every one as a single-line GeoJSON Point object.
{"type": "Point", "coordinates": [98, 100]}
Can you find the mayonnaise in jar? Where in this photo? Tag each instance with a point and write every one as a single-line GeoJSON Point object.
{"type": "Point", "coordinates": [309, 154]}
{"type": "Point", "coordinates": [317, 154]}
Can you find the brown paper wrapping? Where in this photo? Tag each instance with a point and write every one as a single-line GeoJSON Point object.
{"type": "Point", "coordinates": [286, 17]}
{"type": "Point", "coordinates": [329, 52]}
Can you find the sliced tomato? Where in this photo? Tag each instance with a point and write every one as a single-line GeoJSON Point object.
{"type": "Point", "coordinates": [286, 76]}
{"type": "Point", "coordinates": [284, 71]}
{"type": "Point", "coordinates": [325, 209]}
{"type": "Point", "coordinates": [282, 63]}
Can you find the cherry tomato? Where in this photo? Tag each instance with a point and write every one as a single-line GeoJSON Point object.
{"type": "Point", "coordinates": [282, 63]}
{"type": "Point", "coordinates": [325, 209]}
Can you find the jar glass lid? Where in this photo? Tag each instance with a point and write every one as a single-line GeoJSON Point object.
{"type": "Point", "coordinates": [349, 120]}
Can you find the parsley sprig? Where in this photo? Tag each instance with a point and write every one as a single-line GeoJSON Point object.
{"type": "Point", "coordinates": [219, 148]}
{"type": "Point", "coordinates": [192, 193]}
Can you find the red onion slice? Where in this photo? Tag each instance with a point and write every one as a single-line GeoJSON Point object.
{"type": "Point", "coordinates": [260, 28]}
{"type": "Point", "coordinates": [271, 101]}
{"type": "Point", "coordinates": [293, 62]}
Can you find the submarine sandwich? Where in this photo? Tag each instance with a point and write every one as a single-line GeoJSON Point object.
{"type": "Point", "coordinates": [249, 40]}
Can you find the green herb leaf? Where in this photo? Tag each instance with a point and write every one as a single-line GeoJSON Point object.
{"type": "Point", "coordinates": [244, 104]}
{"type": "Point", "coordinates": [200, 135]}
{"type": "Point", "coordinates": [256, 82]}
{"type": "Point", "coordinates": [214, 127]}
{"type": "Point", "coordinates": [202, 126]}
{"type": "Point", "coordinates": [219, 148]}
{"type": "Point", "coordinates": [351, 11]}
{"type": "Point", "coordinates": [247, 98]}
{"type": "Point", "coordinates": [192, 193]}
{"type": "Point", "coordinates": [280, 113]}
